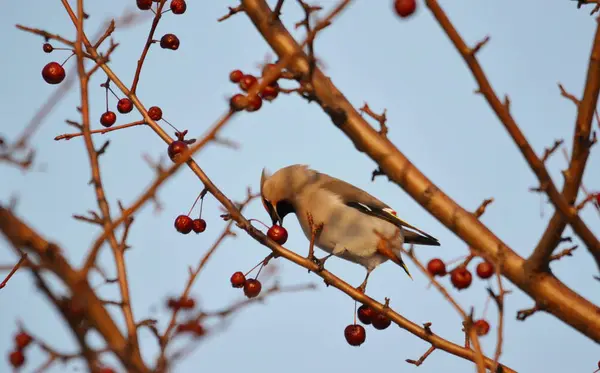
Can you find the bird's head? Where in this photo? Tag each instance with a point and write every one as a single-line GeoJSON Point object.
{"type": "Point", "coordinates": [278, 191]}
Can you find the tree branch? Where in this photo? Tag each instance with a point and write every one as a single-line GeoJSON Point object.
{"type": "Point", "coordinates": [561, 300]}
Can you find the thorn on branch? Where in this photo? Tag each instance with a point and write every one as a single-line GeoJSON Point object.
{"type": "Point", "coordinates": [94, 218]}
{"type": "Point", "coordinates": [13, 270]}
{"type": "Point", "coordinates": [74, 124]}
{"type": "Point", "coordinates": [481, 209]}
{"type": "Point", "coordinates": [524, 314]}
{"type": "Point", "coordinates": [549, 151]}
{"type": "Point", "coordinates": [377, 172]}
{"type": "Point", "coordinates": [276, 11]}
{"type": "Point", "coordinates": [473, 51]}
{"type": "Point", "coordinates": [381, 118]}
{"type": "Point", "coordinates": [541, 189]}
{"type": "Point", "coordinates": [427, 328]}
{"type": "Point", "coordinates": [507, 102]}
{"type": "Point", "coordinates": [232, 11]}
{"type": "Point", "coordinates": [565, 239]}
{"type": "Point", "coordinates": [567, 95]}
{"type": "Point", "coordinates": [103, 148]}
{"type": "Point", "coordinates": [422, 358]}
{"type": "Point", "coordinates": [563, 253]}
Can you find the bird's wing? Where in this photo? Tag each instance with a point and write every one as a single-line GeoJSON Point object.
{"type": "Point", "coordinates": [364, 202]}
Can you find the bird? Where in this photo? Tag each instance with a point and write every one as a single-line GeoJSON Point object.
{"type": "Point", "coordinates": [354, 225]}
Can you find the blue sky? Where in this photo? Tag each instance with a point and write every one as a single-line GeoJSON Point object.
{"type": "Point", "coordinates": [406, 66]}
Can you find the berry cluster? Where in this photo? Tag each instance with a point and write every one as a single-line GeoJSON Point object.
{"type": "Point", "coordinates": [461, 278]}
{"type": "Point", "coordinates": [252, 286]}
{"type": "Point", "coordinates": [245, 81]}
{"type": "Point", "coordinates": [54, 72]}
{"type": "Point", "coordinates": [124, 106]}
{"type": "Point", "coordinates": [184, 223]}
{"type": "Point", "coordinates": [356, 334]}
{"type": "Point", "coordinates": [17, 356]}
{"type": "Point", "coordinates": [193, 327]}
{"type": "Point", "coordinates": [181, 303]}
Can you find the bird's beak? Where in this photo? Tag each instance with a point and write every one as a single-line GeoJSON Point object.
{"type": "Point", "coordinates": [275, 218]}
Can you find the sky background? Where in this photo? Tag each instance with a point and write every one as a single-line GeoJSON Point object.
{"type": "Point", "coordinates": [406, 66]}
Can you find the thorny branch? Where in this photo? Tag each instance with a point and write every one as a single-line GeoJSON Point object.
{"type": "Point", "coordinates": [561, 301]}
{"type": "Point", "coordinates": [502, 111]}
{"type": "Point", "coordinates": [586, 108]}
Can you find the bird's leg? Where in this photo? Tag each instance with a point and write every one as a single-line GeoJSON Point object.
{"type": "Point", "coordinates": [315, 232]}
{"type": "Point", "coordinates": [363, 287]}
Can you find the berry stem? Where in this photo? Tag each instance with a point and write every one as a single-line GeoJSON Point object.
{"type": "Point", "coordinates": [113, 92]}
{"type": "Point", "coordinates": [106, 89]}
{"type": "Point", "coordinates": [485, 307]}
{"type": "Point", "coordinates": [65, 61]}
{"type": "Point", "coordinates": [266, 259]}
{"type": "Point", "coordinates": [253, 268]}
{"type": "Point", "coordinates": [260, 269]}
{"type": "Point", "coordinates": [195, 202]}
{"type": "Point", "coordinates": [172, 126]}
{"type": "Point", "coordinates": [201, 205]}
{"type": "Point", "coordinates": [251, 220]}
{"type": "Point", "coordinates": [355, 312]}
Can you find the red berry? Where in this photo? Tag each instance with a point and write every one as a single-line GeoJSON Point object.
{"type": "Point", "coordinates": [485, 270]}
{"type": "Point", "coordinates": [176, 148]}
{"type": "Point", "coordinates": [252, 288]}
{"type": "Point", "coordinates": [53, 73]}
{"type": "Point", "coordinates": [178, 6]}
{"type": "Point", "coordinates": [270, 92]}
{"type": "Point", "coordinates": [405, 8]}
{"type": "Point", "coordinates": [199, 225]}
{"type": "Point", "coordinates": [174, 303]}
{"type": "Point", "coordinates": [22, 340]}
{"type": "Point", "coordinates": [17, 359]}
{"type": "Point", "coordinates": [238, 102]}
{"type": "Point", "coordinates": [235, 76]}
{"type": "Point", "coordinates": [47, 47]}
{"type": "Point", "coordinates": [598, 203]}
{"type": "Point", "coordinates": [106, 370]}
{"type": "Point", "coordinates": [108, 118]}
{"type": "Point", "coordinates": [247, 81]}
{"type": "Point", "coordinates": [187, 303]}
{"type": "Point", "coordinates": [238, 280]}
{"type": "Point", "coordinates": [144, 4]}
{"type": "Point", "coordinates": [380, 321]}
{"type": "Point", "coordinates": [278, 234]}
{"type": "Point", "coordinates": [254, 103]}
{"type": "Point", "coordinates": [193, 327]}
{"type": "Point", "coordinates": [365, 314]}
{"type": "Point", "coordinates": [184, 224]}
{"type": "Point", "coordinates": [482, 327]}
{"type": "Point", "coordinates": [461, 278]}
{"type": "Point", "coordinates": [124, 105]}
{"type": "Point", "coordinates": [355, 334]}
{"type": "Point", "coordinates": [436, 267]}
{"type": "Point", "coordinates": [169, 41]}
{"type": "Point", "coordinates": [155, 113]}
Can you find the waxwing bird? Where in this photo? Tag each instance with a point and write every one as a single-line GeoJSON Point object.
{"type": "Point", "coordinates": [353, 221]}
